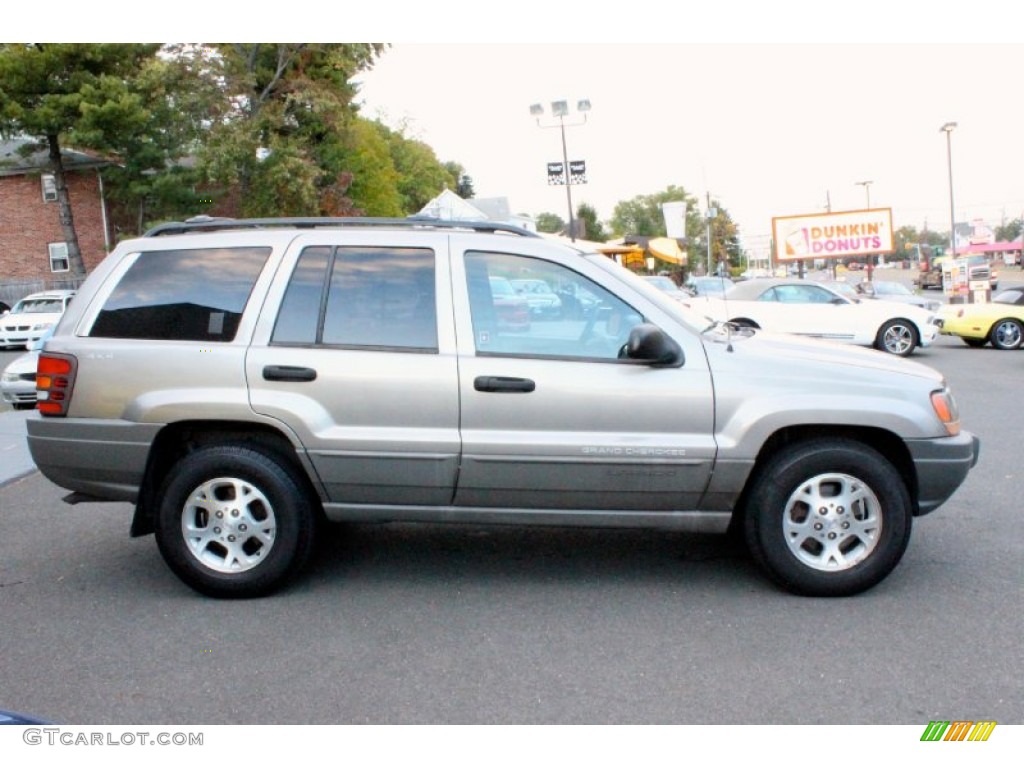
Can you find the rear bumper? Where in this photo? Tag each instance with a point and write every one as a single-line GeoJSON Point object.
{"type": "Point", "coordinates": [942, 464]}
{"type": "Point", "coordinates": [105, 459]}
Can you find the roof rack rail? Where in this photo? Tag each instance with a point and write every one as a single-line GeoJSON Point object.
{"type": "Point", "coordinates": [217, 223]}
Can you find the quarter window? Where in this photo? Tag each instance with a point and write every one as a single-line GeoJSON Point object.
{"type": "Point", "coordinates": [186, 295]}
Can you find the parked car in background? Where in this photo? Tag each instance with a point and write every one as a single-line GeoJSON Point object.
{"type": "Point", "coordinates": [668, 285]}
{"type": "Point", "coordinates": [754, 273]}
{"type": "Point", "coordinates": [978, 268]}
{"type": "Point", "coordinates": [1000, 322]}
{"type": "Point", "coordinates": [512, 309]}
{"type": "Point", "coordinates": [18, 380]}
{"type": "Point", "coordinates": [31, 317]}
{"type": "Point", "coordinates": [842, 288]}
{"type": "Point", "coordinates": [891, 290]}
{"type": "Point", "coordinates": [542, 301]}
{"type": "Point", "coordinates": [4, 308]}
{"type": "Point", "coordinates": [807, 308]}
{"type": "Point", "coordinates": [708, 285]}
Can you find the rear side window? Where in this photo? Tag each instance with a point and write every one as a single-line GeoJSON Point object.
{"type": "Point", "coordinates": [188, 295]}
{"type": "Point", "coordinates": [361, 297]}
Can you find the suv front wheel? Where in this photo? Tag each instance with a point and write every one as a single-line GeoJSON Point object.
{"type": "Point", "coordinates": [234, 522]}
{"type": "Point", "coordinates": [828, 518]}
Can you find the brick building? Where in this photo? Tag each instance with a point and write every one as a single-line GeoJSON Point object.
{"type": "Point", "coordinates": [33, 254]}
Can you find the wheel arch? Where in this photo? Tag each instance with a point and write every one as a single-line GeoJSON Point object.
{"type": "Point", "coordinates": [883, 441]}
{"type": "Point", "coordinates": [744, 322]}
{"type": "Point", "coordinates": [177, 440]}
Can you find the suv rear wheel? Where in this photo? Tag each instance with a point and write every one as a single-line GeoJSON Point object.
{"type": "Point", "coordinates": [828, 518]}
{"type": "Point", "coordinates": [234, 522]}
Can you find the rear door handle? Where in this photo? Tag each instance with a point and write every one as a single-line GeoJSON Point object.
{"type": "Point", "coordinates": [288, 373]}
{"type": "Point", "coordinates": [503, 384]}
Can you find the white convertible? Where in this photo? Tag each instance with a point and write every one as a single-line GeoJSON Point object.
{"type": "Point", "coordinates": [807, 308]}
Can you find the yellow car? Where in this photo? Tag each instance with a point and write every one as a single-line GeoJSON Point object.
{"type": "Point", "coordinates": [1001, 321]}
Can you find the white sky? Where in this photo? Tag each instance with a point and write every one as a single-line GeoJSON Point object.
{"type": "Point", "coordinates": [768, 129]}
{"type": "Point", "coordinates": [773, 107]}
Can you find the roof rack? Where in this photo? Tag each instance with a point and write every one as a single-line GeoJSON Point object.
{"type": "Point", "coordinates": [216, 224]}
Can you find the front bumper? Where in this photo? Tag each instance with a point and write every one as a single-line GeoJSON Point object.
{"type": "Point", "coordinates": [929, 333]}
{"type": "Point", "coordinates": [942, 464]}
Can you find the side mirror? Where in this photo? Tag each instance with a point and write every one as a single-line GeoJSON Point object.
{"type": "Point", "coordinates": [650, 345]}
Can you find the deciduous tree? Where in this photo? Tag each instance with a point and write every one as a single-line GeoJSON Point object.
{"type": "Point", "coordinates": [89, 96]}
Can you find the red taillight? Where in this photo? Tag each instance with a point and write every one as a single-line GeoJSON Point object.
{"type": "Point", "coordinates": [55, 378]}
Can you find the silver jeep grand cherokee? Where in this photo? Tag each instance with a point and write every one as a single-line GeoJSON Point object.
{"type": "Point", "coordinates": [239, 381]}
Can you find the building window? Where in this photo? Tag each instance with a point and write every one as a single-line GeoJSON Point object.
{"type": "Point", "coordinates": [59, 257]}
{"type": "Point", "coordinates": [49, 188]}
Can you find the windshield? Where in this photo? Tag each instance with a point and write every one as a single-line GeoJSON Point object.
{"type": "Point", "coordinates": [1013, 296]}
{"type": "Point", "coordinates": [892, 289]}
{"type": "Point", "coordinates": [38, 306]}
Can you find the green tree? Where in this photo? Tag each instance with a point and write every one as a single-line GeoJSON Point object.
{"type": "Point", "coordinates": [86, 95]}
{"type": "Point", "coordinates": [155, 179]}
{"type": "Point", "coordinates": [420, 175]}
{"type": "Point", "coordinates": [550, 222]}
{"type": "Point", "coordinates": [376, 184]}
{"type": "Point", "coordinates": [463, 181]}
{"type": "Point", "coordinates": [285, 135]}
{"type": "Point", "coordinates": [593, 229]}
{"type": "Point", "coordinates": [1010, 231]}
{"type": "Point", "coordinates": [725, 242]}
{"type": "Point", "coordinates": [643, 216]}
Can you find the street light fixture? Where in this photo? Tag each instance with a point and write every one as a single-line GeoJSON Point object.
{"type": "Point", "coordinates": [560, 109]}
{"type": "Point", "coordinates": [948, 128]}
{"type": "Point", "coordinates": [867, 189]}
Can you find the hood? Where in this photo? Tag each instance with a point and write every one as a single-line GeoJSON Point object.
{"type": "Point", "coordinates": [847, 361]}
{"type": "Point", "coordinates": [25, 364]}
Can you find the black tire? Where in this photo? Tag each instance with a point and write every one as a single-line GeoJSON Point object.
{"type": "Point", "coordinates": [273, 528]}
{"type": "Point", "coordinates": [897, 337]}
{"type": "Point", "coordinates": [975, 343]}
{"type": "Point", "coordinates": [851, 541]}
{"type": "Point", "coordinates": [1007, 333]}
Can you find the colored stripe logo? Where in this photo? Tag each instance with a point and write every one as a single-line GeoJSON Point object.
{"type": "Point", "coordinates": [958, 730]}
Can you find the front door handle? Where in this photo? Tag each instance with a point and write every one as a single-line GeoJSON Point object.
{"type": "Point", "coordinates": [288, 373]}
{"type": "Point", "coordinates": [503, 384]}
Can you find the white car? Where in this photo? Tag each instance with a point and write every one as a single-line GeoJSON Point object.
{"type": "Point", "coordinates": [32, 317]}
{"type": "Point", "coordinates": [538, 294]}
{"type": "Point", "coordinates": [668, 285]}
{"type": "Point", "coordinates": [18, 381]}
{"type": "Point", "coordinates": [890, 290]}
{"type": "Point", "coordinates": [807, 308]}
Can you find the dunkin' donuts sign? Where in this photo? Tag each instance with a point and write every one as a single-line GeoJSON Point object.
{"type": "Point", "coordinates": [833, 235]}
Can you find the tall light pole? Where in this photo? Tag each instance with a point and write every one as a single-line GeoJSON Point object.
{"type": "Point", "coordinates": [867, 189]}
{"type": "Point", "coordinates": [560, 109]}
{"type": "Point", "coordinates": [948, 128]}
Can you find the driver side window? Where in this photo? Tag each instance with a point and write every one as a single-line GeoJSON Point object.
{"type": "Point", "coordinates": [527, 307]}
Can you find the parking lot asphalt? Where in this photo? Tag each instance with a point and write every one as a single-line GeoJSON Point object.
{"type": "Point", "coordinates": [15, 459]}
